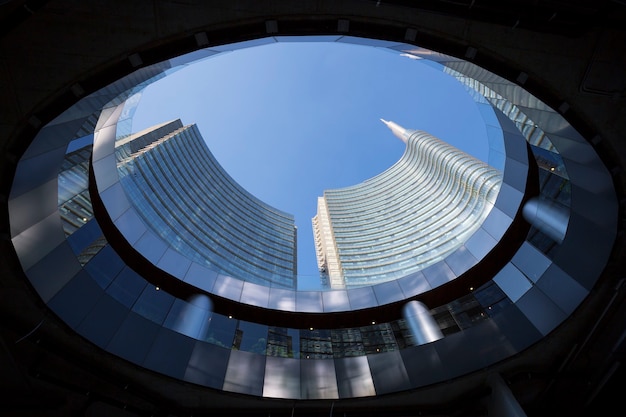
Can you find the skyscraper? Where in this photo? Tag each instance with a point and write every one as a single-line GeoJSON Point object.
{"type": "Point", "coordinates": [409, 217]}
{"type": "Point", "coordinates": [201, 211]}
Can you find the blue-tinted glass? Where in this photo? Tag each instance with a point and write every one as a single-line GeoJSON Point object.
{"type": "Point", "coordinates": [84, 236]}
{"type": "Point", "coordinates": [221, 331]}
{"type": "Point", "coordinates": [127, 287]}
{"type": "Point", "coordinates": [251, 337]}
{"type": "Point", "coordinates": [105, 266]}
{"type": "Point", "coordinates": [154, 304]}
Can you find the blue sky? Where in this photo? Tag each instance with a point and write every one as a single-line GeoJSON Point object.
{"type": "Point", "coordinates": [288, 120]}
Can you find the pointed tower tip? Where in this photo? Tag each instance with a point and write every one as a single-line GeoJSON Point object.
{"type": "Point", "coordinates": [397, 130]}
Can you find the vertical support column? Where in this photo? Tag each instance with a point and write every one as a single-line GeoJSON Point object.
{"type": "Point", "coordinates": [423, 326]}
{"type": "Point", "coordinates": [548, 216]}
{"type": "Point", "coordinates": [193, 319]}
{"type": "Point", "coordinates": [502, 402]}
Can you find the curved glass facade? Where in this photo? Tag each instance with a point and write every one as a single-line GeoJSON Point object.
{"type": "Point", "coordinates": [183, 194]}
{"type": "Point", "coordinates": [409, 217]}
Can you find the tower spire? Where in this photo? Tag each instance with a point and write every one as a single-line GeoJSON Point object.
{"type": "Point", "coordinates": [400, 132]}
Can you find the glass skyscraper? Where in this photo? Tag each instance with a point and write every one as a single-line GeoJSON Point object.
{"type": "Point", "coordinates": [405, 219]}
{"type": "Point", "coordinates": [201, 211]}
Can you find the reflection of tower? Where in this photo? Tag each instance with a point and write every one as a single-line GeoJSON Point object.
{"type": "Point", "coordinates": [201, 211]}
{"type": "Point", "coordinates": [279, 342]}
{"type": "Point", "coordinates": [409, 217]}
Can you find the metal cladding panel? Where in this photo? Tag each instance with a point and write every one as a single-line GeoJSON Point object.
{"type": "Point", "coordinates": [103, 321]}
{"type": "Point", "coordinates": [414, 284]}
{"type": "Point", "coordinates": [309, 301]}
{"type": "Point", "coordinates": [362, 298]}
{"type": "Point", "coordinates": [335, 300]}
{"type": "Point", "coordinates": [228, 287]}
{"type": "Point", "coordinates": [594, 179]}
{"type": "Point", "coordinates": [562, 289]}
{"type": "Point", "coordinates": [480, 244]}
{"type": "Point", "coordinates": [496, 159]}
{"type": "Point", "coordinates": [106, 175]}
{"type": "Point", "coordinates": [127, 287]}
{"type": "Point", "coordinates": [116, 203]}
{"type": "Point", "coordinates": [576, 150]}
{"type": "Point", "coordinates": [509, 200]}
{"type": "Point", "coordinates": [39, 240]}
{"type": "Point", "coordinates": [207, 365]}
{"type": "Point", "coordinates": [460, 261]}
{"type": "Point", "coordinates": [388, 292]}
{"type": "Point", "coordinates": [34, 206]}
{"type": "Point", "coordinates": [485, 342]}
{"type": "Point", "coordinates": [585, 250]}
{"type": "Point", "coordinates": [150, 246]}
{"type": "Point", "coordinates": [512, 281]}
{"type": "Point", "coordinates": [31, 173]}
{"type": "Point", "coordinates": [496, 223]}
{"type": "Point", "coordinates": [131, 226]}
{"type": "Point", "coordinates": [54, 136]}
{"type": "Point", "coordinates": [354, 378]}
{"type": "Point", "coordinates": [104, 149]}
{"type": "Point", "coordinates": [515, 174]}
{"type": "Point", "coordinates": [516, 328]}
{"type": "Point", "coordinates": [438, 274]}
{"type": "Point", "coordinates": [423, 365]}
{"type": "Point", "coordinates": [544, 314]}
{"type": "Point", "coordinates": [600, 209]}
{"type": "Point", "coordinates": [133, 338]}
{"type": "Point", "coordinates": [105, 266]}
{"type": "Point", "coordinates": [282, 378]}
{"type": "Point", "coordinates": [153, 304]}
{"type": "Point", "coordinates": [77, 298]}
{"type": "Point", "coordinates": [318, 379]}
{"type": "Point", "coordinates": [514, 143]}
{"type": "Point", "coordinates": [111, 118]}
{"type": "Point", "coordinates": [65, 266]}
{"type": "Point", "coordinates": [82, 238]}
{"type": "Point", "coordinates": [201, 277]}
{"type": "Point", "coordinates": [188, 319]}
{"type": "Point", "coordinates": [532, 262]}
{"type": "Point", "coordinates": [282, 299]}
{"type": "Point", "coordinates": [557, 126]}
{"type": "Point", "coordinates": [245, 373]}
{"type": "Point", "coordinates": [388, 372]}
{"type": "Point", "coordinates": [255, 294]}
{"type": "Point", "coordinates": [170, 353]}
{"type": "Point", "coordinates": [174, 263]}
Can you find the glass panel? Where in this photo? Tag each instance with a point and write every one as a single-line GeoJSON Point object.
{"type": "Point", "coordinates": [221, 331]}
{"type": "Point", "coordinates": [126, 287]}
{"type": "Point", "coordinates": [251, 337]}
{"type": "Point", "coordinates": [154, 304]}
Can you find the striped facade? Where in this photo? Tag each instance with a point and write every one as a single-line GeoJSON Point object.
{"type": "Point", "coordinates": [201, 211]}
{"type": "Point", "coordinates": [405, 219]}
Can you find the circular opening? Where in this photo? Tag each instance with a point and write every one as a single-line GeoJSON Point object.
{"type": "Point", "coordinates": [289, 120]}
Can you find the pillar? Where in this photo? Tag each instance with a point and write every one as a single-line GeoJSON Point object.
{"type": "Point", "coordinates": [548, 216]}
{"type": "Point", "coordinates": [502, 402]}
{"type": "Point", "coordinates": [423, 326]}
{"type": "Point", "coordinates": [193, 318]}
